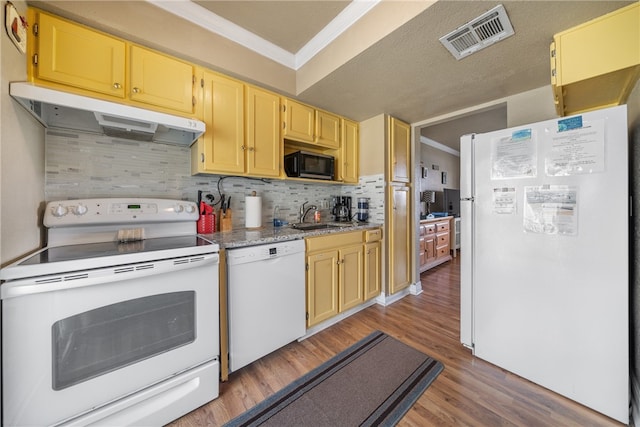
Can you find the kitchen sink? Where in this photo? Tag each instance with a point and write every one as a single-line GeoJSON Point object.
{"type": "Point", "coordinates": [312, 226]}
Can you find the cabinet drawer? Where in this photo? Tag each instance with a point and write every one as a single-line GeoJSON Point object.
{"type": "Point", "coordinates": [429, 229]}
{"type": "Point", "coordinates": [442, 251]}
{"type": "Point", "coordinates": [373, 235]}
{"type": "Point", "coordinates": [442, 226]}
{"type": "Point", "coordinates": [442, 239]}
{"type": "Point", "coordinates": [334, 240]}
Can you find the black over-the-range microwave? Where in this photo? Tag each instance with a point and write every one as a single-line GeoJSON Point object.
{"type": "Point", "coordinates": [304, 164]}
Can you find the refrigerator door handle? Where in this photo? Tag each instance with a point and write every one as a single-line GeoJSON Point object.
{"type": "Point", "coordinates": [468, 199]}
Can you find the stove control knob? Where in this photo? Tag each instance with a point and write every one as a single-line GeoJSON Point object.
{"type": "Point", "coordinates": [190, 209]}
{"type": "Point", "coordinates": [59, 211]}
{"type": "Point", "coordinates": [80, 210]}
{"type": "Point", "coordinates": [178, 208]}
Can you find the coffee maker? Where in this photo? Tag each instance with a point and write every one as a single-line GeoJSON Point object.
{"type": "Point", "coordinates": [342, 208]}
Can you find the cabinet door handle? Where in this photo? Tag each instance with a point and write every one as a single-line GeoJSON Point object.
{"type": "Point", "coordinates": [117, 85]}
{"type": "Point", "coordinates": [251, 149]}
{"type": "Point", "coordinates": [136, 90]}
{"type": "Point", "coordinates": [242, 147]}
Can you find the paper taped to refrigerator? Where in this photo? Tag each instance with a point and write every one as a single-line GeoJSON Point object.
{"type": "Point", "coordinates": [573, 150]}
{"type": "Point", "coordinates": [551, 209]}
{"type": "Point", "coordinates": [504, 200]}
{"type": "Point", "coordinates": [514, 156]}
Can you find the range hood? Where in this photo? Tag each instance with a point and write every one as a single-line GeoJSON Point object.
{"type": "Point", "coordinates": [64, 110]}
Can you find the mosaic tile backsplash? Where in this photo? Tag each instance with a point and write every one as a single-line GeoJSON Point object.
{"type": "Point", "coordinates": [83, 165]}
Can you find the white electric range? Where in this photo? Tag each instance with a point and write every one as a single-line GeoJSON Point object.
{"type": "Point", "coordinates": [115, 322]}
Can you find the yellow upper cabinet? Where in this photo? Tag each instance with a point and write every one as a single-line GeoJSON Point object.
{"type": "Point", "coordinates": [399, 154]}
{"type": "Point", "coordinates": [596, 64]}
{"type": "Point", "coordinates": [264, 145]}
{"type": "Point", "coordinates": [75, 58]}
{"type": "Point", "coordinates": [160, 80]}
{"type": "Point", "coordinates": [348, 167]}
{"type": "Point", "coordinates": [65, 53]}
{"type": "Point", "coordinates": [327, 129]}
{"type": "Point", "coordinates": [221, 149]}
{"type": "Point", "coordinates": [298, 121]}
{"type": "Point", "coordinates": [305, 124]}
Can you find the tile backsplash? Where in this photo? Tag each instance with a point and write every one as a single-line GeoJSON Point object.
{"type": "Point", "coordinates": [83, 165]}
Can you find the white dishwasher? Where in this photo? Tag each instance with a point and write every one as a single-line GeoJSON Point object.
{"type": "Point", "coordinates": [266, 291]}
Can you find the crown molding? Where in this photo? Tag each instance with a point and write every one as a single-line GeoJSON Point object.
{"type": "Point", "coordinates": [208, 20]}
{"type": "Point", "coordinates": [439, 146]}
{"type": "Point", "coordinates": [345, 19]}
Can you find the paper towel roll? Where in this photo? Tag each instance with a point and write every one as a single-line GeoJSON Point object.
{"type": "Point", "coordinates": [253, 211]}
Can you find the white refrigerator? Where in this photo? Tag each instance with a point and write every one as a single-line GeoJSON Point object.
{"type": "Point", "coordinates": [545, 255]}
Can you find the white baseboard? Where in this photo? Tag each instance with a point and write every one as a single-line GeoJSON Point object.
{"type": "Point", "coordinates": [382, 299]}
{"type": "Point", "coordinates": [416, 288]}
{"type": "Point", "coordinates": [386, 300]}
{"type": "Point", "coordinates": [335, 319]}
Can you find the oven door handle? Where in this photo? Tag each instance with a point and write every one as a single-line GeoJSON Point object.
{"type": "Point", "coordinates": [100, 276]}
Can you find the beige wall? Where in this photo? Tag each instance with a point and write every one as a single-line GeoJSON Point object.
{"type": "Point", "coordinates": [529, 107]}
{"type": "Point", "coordinates": [445, 162]}
{"type": "Point", "coordinates": [21, 162]}
{"type": "Point", "coordinates": [372, 142]}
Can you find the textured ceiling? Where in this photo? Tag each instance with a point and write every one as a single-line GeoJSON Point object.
{"type": "Point", "coordinates": [407, 73]}
{"type": "Point", "coordinates": [288, 24]}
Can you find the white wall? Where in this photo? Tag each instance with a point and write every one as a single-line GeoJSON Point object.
{"type": "Point", "coordinates": [21, 161]}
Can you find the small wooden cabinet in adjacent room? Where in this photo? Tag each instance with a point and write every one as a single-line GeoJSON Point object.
{"type": "Point", "coordinates": [435, 242]}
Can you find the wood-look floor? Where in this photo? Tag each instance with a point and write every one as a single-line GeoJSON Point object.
{"type": "Point", "coordinates": [469, 392]}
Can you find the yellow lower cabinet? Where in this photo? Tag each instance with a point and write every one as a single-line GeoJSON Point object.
{"type": "Point", "coordinates": [343, 271]}
{"type": "Point", "coordinates": [322, 286]}
{"type": "Point", "coordinates": [372, 269]}
{"type": "Point", "coordinates": [350, 273]}
{"type": "Point", "coordinates": [399, 238]}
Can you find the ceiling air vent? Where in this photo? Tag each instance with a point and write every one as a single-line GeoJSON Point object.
{"type": "Point", "coordinates": [479, 33]}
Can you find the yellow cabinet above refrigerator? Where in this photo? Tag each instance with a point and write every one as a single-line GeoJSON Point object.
{"type": "Point", "coordinates": [596, 64]}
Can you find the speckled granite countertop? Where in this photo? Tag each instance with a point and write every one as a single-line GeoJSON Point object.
{"type": "Point", "coordinates": [242, 237]}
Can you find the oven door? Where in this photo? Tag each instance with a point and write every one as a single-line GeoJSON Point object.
{"type": "Point", "coordinates": [76, 342]}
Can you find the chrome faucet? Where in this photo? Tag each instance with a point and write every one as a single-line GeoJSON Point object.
{"type": "Point", "coordinates": [304, 212]}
